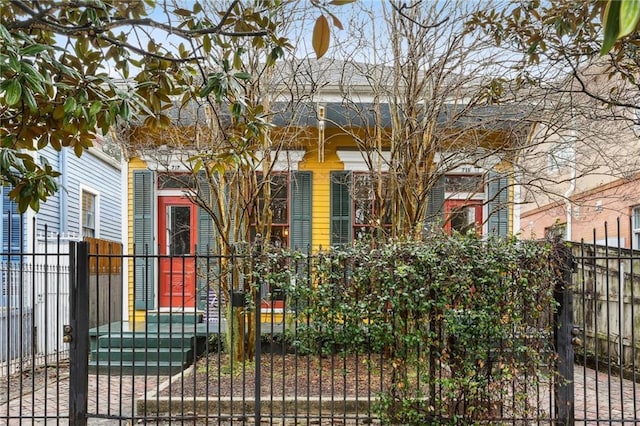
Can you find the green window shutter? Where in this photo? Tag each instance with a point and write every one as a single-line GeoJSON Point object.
{"type": "Point", "coordinates": [340, 208]}
{"type": "Point", "coordinates": [435, 204]}
{"type": "Point", "coordinates": [300, 234]}
{"type": "Point", "coordinates": [498, 204]}
{"type": "Point", "coordinates": [206, 228]}
{"type": "Point", "coordinates": [143, 239]}
{"type": "Point", "coordinates": [206, 243]}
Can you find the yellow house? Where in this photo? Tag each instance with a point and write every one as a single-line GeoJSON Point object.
{"type": "Point", "coordinates": [321, 196]}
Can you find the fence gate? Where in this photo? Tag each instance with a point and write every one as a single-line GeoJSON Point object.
{"type": "Point", "coordinates": [171, 366]}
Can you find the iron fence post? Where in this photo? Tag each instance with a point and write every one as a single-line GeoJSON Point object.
{"type": "Point", "coordinates": [564, 386]}
{"type": "Point", "coordinates": [79, 333]}
{"type": "Point", "coordinates": [257, 291]}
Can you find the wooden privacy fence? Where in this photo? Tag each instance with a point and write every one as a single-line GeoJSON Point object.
{"type": "Point", "coordinates": [105, 281]}
{"type": "Point", "coordinates": [607, 304]}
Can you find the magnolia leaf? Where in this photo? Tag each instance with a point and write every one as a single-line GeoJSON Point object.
{"type": "Point", "coordinates": [4, 33]}
{"type": "Point", "coordinates": [33, 49]}
{"type": "Point", "coordinates": [611, 25]}
{"type": "Point", "coordinates": [341, 2]}
{"type": "Point", "coordinates": [23, 202]}
{"type": "Point", "coordinates": [629, 16]}
{"type": "Point", "coordinates": [320, 40]}
{"type": "Point", "coordinates": [182, 12]}
{"type": "Point", "coordinates": [336, 21]}
{"type": "Point", "coordinates": [242, 75]}
{"type": "Point", "coordinates": [30, 100]}
{"type": "Point", "coordinates": [96, 106]}
{"type": "Point", "coordinates": [13, 92]}
{"type": "Point", "coordinates": [206, 43]}
{"type": "Point", "coordinates": [69, 105]}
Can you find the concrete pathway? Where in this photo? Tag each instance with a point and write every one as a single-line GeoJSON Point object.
{"type": "Point", "coordinates": [600, 399]}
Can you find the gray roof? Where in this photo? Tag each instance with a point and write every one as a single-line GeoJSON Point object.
{"type": "Point", "coordinates": [339, 114]}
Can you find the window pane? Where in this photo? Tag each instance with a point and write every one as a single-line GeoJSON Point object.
{"type": "Point", "coordinates": [88, 214]}
{"type": "Point", "coordinates": [362, 187]}
{"type": "Point", "coordinates": [279, 186]}
{"type": "Point", "coordinates": [360, 232]}
{"type": "Point", "coordinates": [558, 230]}
{"type": "Point", "coordinates": [464, 183]}
{"type": "Point", "coordinates": [279, 236]}
{"type": "Point", "coordinates": [175, 180]}
{"type": "Point", "coordinates": [636, 217]}
{"type": "Point", "coordinates": [279, 211]}
{"type": "Point", "coordinates": [278, 206]}
{"type": "Point", "coordinates": [179, 230]}
{"type": "Point", "coordinates": [363, 212]}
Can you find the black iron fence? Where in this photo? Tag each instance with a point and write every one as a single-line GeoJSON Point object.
{"type": "Point", "coordinates": [288, 347]}
{"type": "Point", "coordinates": [34, 303]}
{"type": "Point", "coordinates": [606, 327]}
{"type": "Point", "coordinates": [275, 363]}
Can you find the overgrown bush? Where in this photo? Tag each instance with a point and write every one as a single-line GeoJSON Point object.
{"type": "Point", "coordinates": [458, 319]}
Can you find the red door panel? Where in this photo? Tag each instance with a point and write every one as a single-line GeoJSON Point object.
{"type": "Point", "coordinates": [177, 235]}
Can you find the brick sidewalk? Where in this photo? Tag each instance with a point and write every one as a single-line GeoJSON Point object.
{"type": "Point", "coordinates": [601, 396]}
{"type": "Point", "coordinates": [108, 395]}
{"type": "Point", "coordinates": [597, 396]}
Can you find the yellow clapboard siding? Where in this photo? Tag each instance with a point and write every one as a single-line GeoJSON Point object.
{"type": "Point", "coordinates": [321, 186]}
{"type": "Point", "coordinates": [321, 214]}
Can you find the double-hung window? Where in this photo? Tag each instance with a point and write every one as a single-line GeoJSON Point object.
{"type": "Point", "coordinates": [290, 209]}
{"type": "Point", "coordinates": [357, 211]}
{"type": "Point", "coordinates": [635, 224]}
{"type": "Point", "coordinates": [89, 211]}
{"type": "Point", "coordinates": [278, 206]}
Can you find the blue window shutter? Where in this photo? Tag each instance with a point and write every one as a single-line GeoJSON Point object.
{"type": "Point", "coordinates": [300, 234]}
{"type": "Point", "coordinates": [340, 208]}
{"type": "Point", "coordinates": [143, 239]}
{"type": "Point", "coordinates": [12, 224]}
{"type": "Point", "coordinates": [498, 204]}
{"type": "Point", "coordinates": [435, 204]}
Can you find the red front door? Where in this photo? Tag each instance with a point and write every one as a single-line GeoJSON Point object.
{"type": "Point", "coordinates": [177, 235]}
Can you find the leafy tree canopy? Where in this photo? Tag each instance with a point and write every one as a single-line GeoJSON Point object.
{"type": "Point", "coordinates": [567, 35]}
{"type": "Point", "coordinates": [71, 69]}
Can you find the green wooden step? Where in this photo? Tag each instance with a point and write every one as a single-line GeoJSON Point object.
{"type": "Point", "coordinates": [118, 355]}
{"type": "Point", "coordinates": [161, 368]}
{"type": "Point", "coordinates": [175, 317]}
{"type": "Point", "coordinates": [146, 340]}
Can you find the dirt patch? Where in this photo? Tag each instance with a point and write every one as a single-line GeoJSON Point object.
{"type": "Point", "coordinates": [285, 376]}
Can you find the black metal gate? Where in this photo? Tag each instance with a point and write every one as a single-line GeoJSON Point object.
{"type": "Point", "coordinates": [173, 367]}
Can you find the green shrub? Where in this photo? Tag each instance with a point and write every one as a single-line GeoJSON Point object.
{"type": "Point", "coordinates": [458, 319]}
